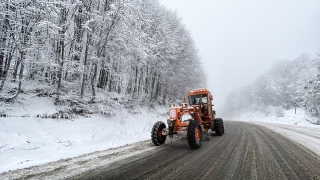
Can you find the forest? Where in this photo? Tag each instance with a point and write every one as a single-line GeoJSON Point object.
{"type": "Point", "coordinates": [287, 85]}
{"type": "Point", "coordinates": [83, 50]}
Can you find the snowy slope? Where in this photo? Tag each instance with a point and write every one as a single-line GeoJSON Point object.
{"type": "Point", "coordinates": [30, 140]}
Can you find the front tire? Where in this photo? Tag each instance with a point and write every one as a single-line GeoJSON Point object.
{"type": "Point", "coordinates": [156, 133]}
{"type": "Point", "coordinates": [194, 134]}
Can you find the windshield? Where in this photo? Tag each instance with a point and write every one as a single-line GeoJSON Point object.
{"type": "Point", "coordinates": [195, 99]}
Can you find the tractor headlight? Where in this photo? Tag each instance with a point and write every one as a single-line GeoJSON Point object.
{"type": "Point", "coordinates": [172, 114]}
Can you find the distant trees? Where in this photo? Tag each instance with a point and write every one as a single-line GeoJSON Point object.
{"type": "Point", "coordinates": [312, 100]}
{"type": "Point", "coordinates": [287, 84]}
{"type": "Point", "coordinates": [18, 21]}
{"type": "Point", "coordinates": [81, 48]}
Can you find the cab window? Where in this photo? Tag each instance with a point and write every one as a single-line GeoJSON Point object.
{"type": "Point", "coordinates": [195, 99]}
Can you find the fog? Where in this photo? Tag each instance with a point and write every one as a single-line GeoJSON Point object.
{"type": "Point", "coordinates": [238, 41]}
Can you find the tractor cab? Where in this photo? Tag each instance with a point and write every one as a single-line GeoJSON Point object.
{"type": "Point", "coordinates": [203, 99]}
{"type": "Point", "coordinates": [196, 99]}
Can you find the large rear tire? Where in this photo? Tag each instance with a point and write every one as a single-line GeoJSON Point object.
{"type": "Point", "coordinates": [194, 134]}
{"type": "Point", "coordinates": [222, 126]}
{"type": "Point", "coordinates": [156, 133]}
{"type": "Point", "coordinates": [219, 126]}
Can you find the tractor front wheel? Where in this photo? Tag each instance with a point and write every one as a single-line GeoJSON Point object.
{"type": "Point", "coordinates": [156, 133]}
{"type": "Point", "coordinates": [194, 134]}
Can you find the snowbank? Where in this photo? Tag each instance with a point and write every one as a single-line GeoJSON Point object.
{"type": "Point", "coordinates": [278, 115]}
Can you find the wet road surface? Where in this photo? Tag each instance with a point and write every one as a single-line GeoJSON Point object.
{"type": "Point", "coordinates": [244, 151]}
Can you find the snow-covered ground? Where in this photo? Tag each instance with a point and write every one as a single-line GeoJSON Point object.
{"type": "Point", "coordinates": [278, 115]}
{"type": "Point", "coordinates": [30, 140]}
{"type": "Point", "coordinates": [27, 140]}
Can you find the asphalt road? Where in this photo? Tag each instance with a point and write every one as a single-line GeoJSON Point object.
{"type": "Point", "coordinates": [245, 151]}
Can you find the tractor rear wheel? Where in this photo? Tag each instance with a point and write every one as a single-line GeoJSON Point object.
{"type": "Point", "coordinates": [156, 133]}
{"type": "Point", "coordinates": [194, 134]}
{"type": "Point", "coordinates": [219, 128]}
{"type": "Point", "coordinates": [222, 127]}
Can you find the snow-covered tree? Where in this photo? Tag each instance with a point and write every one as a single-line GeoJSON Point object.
{"type": "Point", "coordinates": [83, 48]}
{"type": "Point", "coordinates": [288, 84]}
{"type": "Point", "coordinates": [313, 90]}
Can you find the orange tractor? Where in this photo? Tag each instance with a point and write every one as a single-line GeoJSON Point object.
{"type": "Point", "coordinates": [201, 119]}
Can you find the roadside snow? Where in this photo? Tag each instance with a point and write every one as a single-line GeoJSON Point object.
{"type": "Point", "coordinates": [280, 116]}
{"type": "Point", "coordinates": [69, 167]}
{"type": "Point", "coordinates": [29, 140]}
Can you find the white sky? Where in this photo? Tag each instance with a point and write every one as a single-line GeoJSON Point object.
{"type": "Point", "coordinates": [240, 40]}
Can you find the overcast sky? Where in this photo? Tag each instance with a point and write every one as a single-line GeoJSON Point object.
{"type": "Point", "coordinates": [238, 41]}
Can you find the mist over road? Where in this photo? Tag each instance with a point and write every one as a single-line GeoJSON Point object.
{"type": "Point", "coordinates": [245, 151]}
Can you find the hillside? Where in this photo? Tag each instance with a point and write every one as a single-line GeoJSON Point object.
{"type": "Point", "coordinates": [289, 88]}
{"type": "Point", "coordinates": [32, 134]}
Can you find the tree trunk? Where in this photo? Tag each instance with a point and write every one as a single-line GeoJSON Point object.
{"type": "Point", "coordinates": [153, 83]}
{"type": "Point", "coordinates": [135, 82]}
{"type": "Point", "coordinates": [15, 72]}
{"type": "Point", "coordinates": [157, 93]}
{"type": "Point", "coordinates": [140, 82]}
{"type": "Point", "coordinates": [57, 100]}
{"type": "Point", "coordinates": [7, 66]}
{"type": "Point", "coordinates": [110, 82]}
{"type": "Point", "coordinates": [84, 76]}
{"type": "Point", "coordinates": [102, 78]}
{"type": "Point", "coordinates": [119, 85]}
{"type": "Point", "coordinates": [93, 81]}
{"type": "Point", "coordinates": [20, 77]}
{"type": "Point", "coordinates": [1, 64]}
{"type": "Point", "coordinates": [129, 87]}
{"type": "Point", "coordinates": [5, 32]}
{"type": "Point", "coordinates": [146, 89]}
{"type": "Point", "coordinates": [78, 20]}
